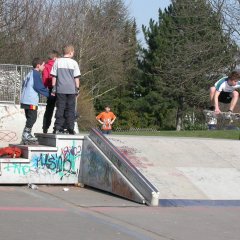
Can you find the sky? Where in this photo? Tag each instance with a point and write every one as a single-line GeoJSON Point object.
{"type": "Point", "coordinates": [143, 10]}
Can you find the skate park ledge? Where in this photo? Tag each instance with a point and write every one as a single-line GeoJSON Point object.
{"type": "Point", "coordinates": [77, 159]}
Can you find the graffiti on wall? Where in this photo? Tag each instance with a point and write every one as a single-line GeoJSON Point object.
{"type": "Point", "coordinates": [17, 168]}
{"type": "Point", "coordinates": [95, 167]}
{"type": "Point", "coordinates": [63, 163]}
{"type": "Point", "coordinates": [98, 172]}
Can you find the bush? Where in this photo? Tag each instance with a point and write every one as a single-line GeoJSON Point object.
{"type": "Point", "coordinates": [86, 111]}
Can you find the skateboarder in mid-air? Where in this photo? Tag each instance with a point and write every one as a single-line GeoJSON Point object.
{"type": "Point", "coordinates": [224, 91]}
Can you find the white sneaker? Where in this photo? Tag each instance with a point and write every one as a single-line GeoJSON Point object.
{"type": "Point", "coordinates": [228, 115]}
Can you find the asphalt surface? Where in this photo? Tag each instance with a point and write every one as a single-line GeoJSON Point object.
{"type": "Point", "coordinates": [85, 213]}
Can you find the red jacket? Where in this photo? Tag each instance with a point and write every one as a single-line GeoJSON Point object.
{"type": "Point", "coordinates": [12, 152]}
{"type": "Point", "coordinates": [46, 77]}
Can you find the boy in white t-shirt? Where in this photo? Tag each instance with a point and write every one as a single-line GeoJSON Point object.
{"type": "Point", "coordinates": [65, 82]}
{"type": "Point", "coordinates": [224, 90]}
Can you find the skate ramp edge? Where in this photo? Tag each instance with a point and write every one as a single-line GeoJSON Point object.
{"type": "Point", "coordinates": [198, 203]}
{"type": "Point", "coordinates": [104, 167]}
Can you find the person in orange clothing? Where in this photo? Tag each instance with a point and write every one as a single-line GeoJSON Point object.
{"type": "Point", "coordinates": [106, 118]}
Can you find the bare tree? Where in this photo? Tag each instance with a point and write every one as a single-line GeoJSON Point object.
{"type": "Point", "coordinates": [230, 12]}
{"type": "Point", "coordinates": [96, 28]}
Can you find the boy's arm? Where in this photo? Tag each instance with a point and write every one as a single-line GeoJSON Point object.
{"type": "Point", "coordinates": [216, 103]}
{"type": "Point", "coordinates": [53, 73]}
{"type": "Point", "coordinates": [38, 85]}
{"type": "Point", "coordinates": [77, 82]}
{"type": "Point", "coordinates": [77, 75]}
{"type": "Point", "coordinates": [99, 120]}
{"type": "Point", "coordinates": [98, 117]}
{"type": "Point", "coordinates": [54, 79]}
{"type": "Point", "coordinates": [114, 118]}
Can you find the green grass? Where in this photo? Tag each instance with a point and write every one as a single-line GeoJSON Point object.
{"type": "Point", "coordinates": [221, 134]}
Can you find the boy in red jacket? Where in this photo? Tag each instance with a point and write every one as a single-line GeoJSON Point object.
{"type": "Point", "coordinates": [47, 81]}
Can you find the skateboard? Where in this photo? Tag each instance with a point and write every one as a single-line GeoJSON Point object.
{"type": "Point", "coordinates": [222, 115]}
{"type": "Point", "coordinates": [213, 119]}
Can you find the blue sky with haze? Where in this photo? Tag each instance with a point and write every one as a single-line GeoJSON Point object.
{"type": "Point", "coordinates": [143, 10]}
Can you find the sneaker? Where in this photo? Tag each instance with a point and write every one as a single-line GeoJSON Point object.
{"type": "Point", "coordinates": [228, 114]}
{"type": "Point", "coordinates": [57, 131]}
{"type": "Point", "coordinates": [65, 131]}
{"type": "Point", "coordinates": [71, 132]}
{"type": "Point", "coordinates": [27, 137]}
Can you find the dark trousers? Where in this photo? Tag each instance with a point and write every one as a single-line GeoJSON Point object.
{"type": "Point", "coordinates": [65, 112]}
{"type": "Point", "coordinates": [47, 118]}
{"type": "Point", "coordinates": [31, 116]}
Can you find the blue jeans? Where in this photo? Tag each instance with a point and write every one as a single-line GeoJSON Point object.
{"type": "Point", "coordinates": [106, 131]}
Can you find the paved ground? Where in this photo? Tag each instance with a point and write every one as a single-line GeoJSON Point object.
{"type": "Point", "coordinates": [84, 213]}
{"type": "Point", "coordinates": [210, 171]}
{"type": "Point", "coordinates": [186, 168]}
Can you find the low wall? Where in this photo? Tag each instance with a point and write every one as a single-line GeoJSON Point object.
{"type": "Point", "coordinates": [12, 122]}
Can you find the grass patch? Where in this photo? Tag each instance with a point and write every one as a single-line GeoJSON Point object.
{"type": "Point", "coordinates": [220, 134]}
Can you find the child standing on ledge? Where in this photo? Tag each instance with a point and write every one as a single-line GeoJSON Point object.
{"type": "Point", "coordinates": [32, 87]}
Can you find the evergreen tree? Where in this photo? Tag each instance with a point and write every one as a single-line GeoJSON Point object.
{"type": "Point", "coordinates": [187, 49]}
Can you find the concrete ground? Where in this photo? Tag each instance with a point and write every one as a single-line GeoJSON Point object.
{"type": "Point", "coordinates": [186, 168]}
{"type": "Point", "coordinates": [83, 213]}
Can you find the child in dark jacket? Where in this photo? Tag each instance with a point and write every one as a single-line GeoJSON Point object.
{"type": "Point", "coordinates": [47, 81]}
{"type": "Point", "coordinates": [32, 87]}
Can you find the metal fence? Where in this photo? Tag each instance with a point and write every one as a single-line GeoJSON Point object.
{"type": "Point", "coordinates": [118, 129]}
{"type": "Point", "coordinates": [11, 77]}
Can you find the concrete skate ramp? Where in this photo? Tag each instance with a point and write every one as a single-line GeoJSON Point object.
{"type": "Point", "coordinates": [186, 171]}
{"type": "Point", "coordinates": [104, 167]}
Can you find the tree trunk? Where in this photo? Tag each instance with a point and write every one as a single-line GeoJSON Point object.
{"type": "Point", "coordinates": [180, 115]}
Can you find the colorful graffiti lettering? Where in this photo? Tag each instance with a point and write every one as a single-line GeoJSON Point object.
{"type": "Point", "coordinates": [71, 151]}
{"type": "Point", "coordinates": [96, 167]}
{"type": "Point", "coordinates": [18, 168]}
{"type": "Point", "coordinates": [62, 163]}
